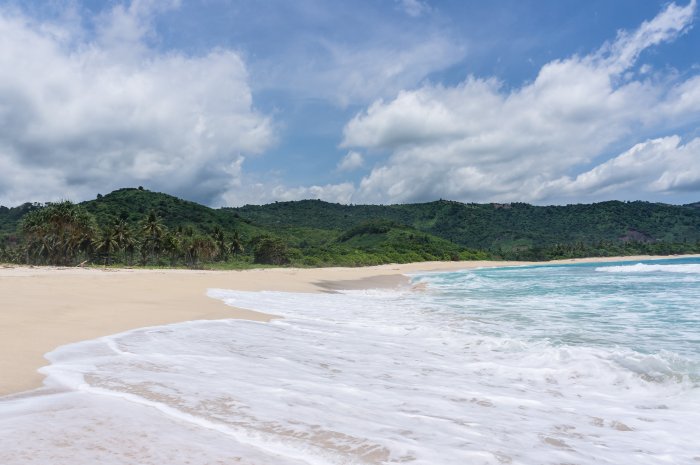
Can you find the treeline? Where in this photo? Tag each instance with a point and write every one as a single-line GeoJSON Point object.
{"type": "Point", "coordinates": [599, 249]}
{"type": "Point", "coordinates": [499, 228]}
{"type": "Point", "coordinates": [65, 234]}
{"type": "Point", "coordinates": [137, 227]}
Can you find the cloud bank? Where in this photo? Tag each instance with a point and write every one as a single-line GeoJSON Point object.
{"type": "Point", "coordinates": [660, 165]}
{"type": "Point", "coordinates": [82, 113]}
{"type": "Point", "coordinates": [89, 104]}
{"type": "Point", "coordinates": [479, 141]}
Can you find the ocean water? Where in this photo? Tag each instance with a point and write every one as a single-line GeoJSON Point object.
{"type": "Point", "coordinates": [583, 364]}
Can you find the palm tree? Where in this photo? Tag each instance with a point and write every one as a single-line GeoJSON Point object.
{"type": "Point", "coordinates": [220, 241]}
{"type": "Point", "coordinates": [152, 232]}
{"type": "Point", "coordinates": [172, 245]}
{"type": "Point", "coordinates": [106, 245]}
{"type": "Point", "coordinates": [58, 233]}
{"type": "Point", "coordinates": [199, 248]}
{"type": "Point", "coordinates": [236, 245]}
{"type": "Point", "coordinates": [124, 236]}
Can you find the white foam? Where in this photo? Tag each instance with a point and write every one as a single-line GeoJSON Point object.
{"type": "Point", "coordinates": [687, 268]}
{"type": "Point", "coordinates": [353, 378]}
{"type": "Point", "coordinates": [79, 429]}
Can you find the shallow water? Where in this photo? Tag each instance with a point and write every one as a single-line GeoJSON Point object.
{"type": "Point", "coordinates": [585, 364]}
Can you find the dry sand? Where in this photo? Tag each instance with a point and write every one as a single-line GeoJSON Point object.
{"type": "Point", "coordinates": [43, 308]}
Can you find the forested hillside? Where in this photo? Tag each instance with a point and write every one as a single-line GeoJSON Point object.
{"type": "Point", "coordinates": [133, 204]}
{"type": "Point", "coordinates": [140, 227]}
{"type": "Point", "coordinates": [501, 228]}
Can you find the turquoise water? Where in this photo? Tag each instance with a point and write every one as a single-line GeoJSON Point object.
{"type": "Point", "coordinates": [585, 364]}
{"type": "Point", "coordinates": [650, 307]}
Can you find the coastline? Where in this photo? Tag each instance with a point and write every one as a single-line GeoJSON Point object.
{"type": "Point", "coordinates": [46, 307]}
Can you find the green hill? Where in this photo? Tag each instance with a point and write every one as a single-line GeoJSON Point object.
{"type": "Point", "coordinates": [500, 228]}
{"type": "Point", "coordinates": [313, 232]}
{"type": "Point", "coordinates": [133, 204]}
{"type": "Point", "coordinates": [384, 241]}
{"type": "Point", "coordinates": [10, 218]}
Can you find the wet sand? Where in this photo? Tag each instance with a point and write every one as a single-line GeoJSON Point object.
{"type": "Point", "coordinates": [42, 308]}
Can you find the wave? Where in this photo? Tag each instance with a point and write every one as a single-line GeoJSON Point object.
{"type": "Point", "coordinates": [690, 268]}
{"type": "Point", "coordinates": [456, 374]}
{"type": "Point", "coordinates": [303, 391]}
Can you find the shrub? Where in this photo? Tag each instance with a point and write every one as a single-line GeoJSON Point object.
{"type": "Point", "coordinates": [271, 251]}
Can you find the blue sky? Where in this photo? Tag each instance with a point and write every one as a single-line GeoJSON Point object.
{"type": "Point", "coordinates": [232, 102]}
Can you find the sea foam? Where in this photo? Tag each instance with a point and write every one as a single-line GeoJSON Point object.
{"type": "Point", "coordinates": [652, 268]}
{"type": "Point", "coordinates": [456, 374]}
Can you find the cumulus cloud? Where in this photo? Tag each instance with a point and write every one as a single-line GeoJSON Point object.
{"type": "Point", "coordinates": [352, 161]}
{"type": "Point", "coordinates": [83, 112]}
{"type": "Point", "coordinates": [257, 193]}
{"type": "Point", "coordinates": [479, 141]}
{"type": "Point", "coordinates": [657, 165]}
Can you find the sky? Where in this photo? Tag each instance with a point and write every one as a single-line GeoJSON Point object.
{"type": "Point", "coordinates": [233, 102]}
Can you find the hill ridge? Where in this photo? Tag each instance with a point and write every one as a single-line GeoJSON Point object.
{"type": "Point", "coordinates": [313, 230]}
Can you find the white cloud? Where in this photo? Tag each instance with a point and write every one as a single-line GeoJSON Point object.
{"type": "Point", "coordinates": [258, 193]}
{"type": "Point", "coordinates": [625, 50]}
{"type": "Point", "coordinates": [79, 116]}
{"type": "Point", "coordinates": [124, 27]}
{"type": "Point", "coordinates": [352, 161]}
{"type": "Point", "coordinates": [414, 8]}
{"type": "Point", "coordinates": [361, 75]}
{"type": "Point", "coordinates": [659, 165]}
{"type": "Point", "coordinates": [480, 142]}
{"type": "Point", "coordinates": [346, 74]}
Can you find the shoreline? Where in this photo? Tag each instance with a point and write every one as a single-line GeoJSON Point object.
{"type": "Point", "coordinates": [47, 307]}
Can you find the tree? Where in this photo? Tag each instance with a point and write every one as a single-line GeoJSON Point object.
{"type": "Point", "coordinates": [220, 241]}
{"type": "Point", "coordinates": [58, 233]}
{"type": "Point", "coordinates": [105, 245]}
{"type": "Point", "coordinates": [4, 252]}
{"type": "Point", "coordinates": [152, 232]}
{"type": "Point", "coordinates": [124, 236]}
{"type": "Point", "coordinates": [10, 250]}
{"type": "Point", "coordinates": [172, 245]}
{"type": "Point", "coordinates": [198, 248]}
{"type": "Point", "coordinates": [271, 251]}
{"type": "Point", "coordinates": [236, 244]}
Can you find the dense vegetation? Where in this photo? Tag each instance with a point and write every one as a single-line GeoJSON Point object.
{"type": "Point", "coordinates": [139, 227]}
{"type": "Point", "coordinates": [512, 231]}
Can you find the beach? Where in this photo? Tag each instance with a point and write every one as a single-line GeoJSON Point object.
{"type": "Point", "coordinates": [576, 361]}
{"type": "Point", "coordinates": [46, 307]}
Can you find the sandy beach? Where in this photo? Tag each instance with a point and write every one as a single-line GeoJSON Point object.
{"type": "Point", "coordinates": [43, 307]}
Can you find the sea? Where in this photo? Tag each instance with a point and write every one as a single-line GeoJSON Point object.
{"type": "Point", "coordinates": [555, 364]}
